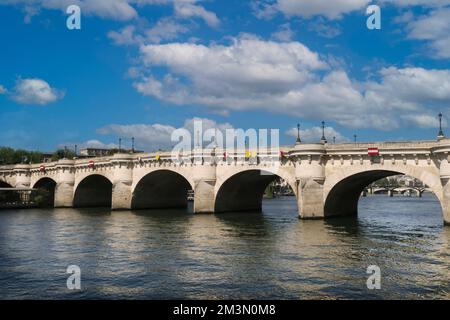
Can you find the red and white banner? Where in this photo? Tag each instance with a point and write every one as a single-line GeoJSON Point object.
{"type": "Point", "coordinates": [41, 168]}
{"type": "Point", "coordinates": [91, 164]}
{"type": "Point", "coordinates": [373, 152]}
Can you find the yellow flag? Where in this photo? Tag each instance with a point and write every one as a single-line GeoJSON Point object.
{"type": "Point", "coordinates": [157, 157]}
{"type": "Point", "coordinates": [247, 154]}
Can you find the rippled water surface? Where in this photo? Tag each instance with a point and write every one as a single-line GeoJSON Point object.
{"type": "Point", "coordinates": [269, 255]}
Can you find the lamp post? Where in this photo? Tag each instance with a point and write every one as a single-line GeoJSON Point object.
{"type": "Point", "coordinates": [120, 145]}
{"type": "Point", "coordinates": [441, 133]}
{"type": "Point", "coordinates": [132, 144]}
{"type": "Point", "coordinates": [354, 137]}
{"type": "Point", "coordinates": [323, 139]}
{"type": "Point", "coordinates": [298, 141]}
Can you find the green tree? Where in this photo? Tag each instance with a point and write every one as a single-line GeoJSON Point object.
{"type": "Point", "coordinates": [12, 156]}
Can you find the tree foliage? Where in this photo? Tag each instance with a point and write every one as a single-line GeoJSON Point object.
{"type": "Point", "coordinates": [15, 156]}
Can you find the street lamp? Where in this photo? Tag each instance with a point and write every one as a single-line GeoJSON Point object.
{"type": "Point", "coordinates": [354, 137]}
{"type": "Point", "coordinates": [323, 139]}
{"type": "Point", "coordinates": [441, 133]}
{"type": "Point", "coordinates": [132, 144]}
{"type": "Point", "coordinates": [298, 134]}
{"type": "Point", "coordinates": [120, 145]}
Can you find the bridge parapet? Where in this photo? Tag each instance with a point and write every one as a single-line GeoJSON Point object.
{"type": "Point", "coordinates": [388, 145]}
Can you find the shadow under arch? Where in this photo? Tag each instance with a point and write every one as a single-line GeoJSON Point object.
{"type": "Point", "coordinates": [93, 191]}
{"type": "Point", "coordinates": [244, 191]}
{"type": "Point", "coordinates": [343, 198]}
{"type": "Point", "coordinates": [7, 196]}
{"type": "Point", "coordinates": [4, 184]}
{"type": "Point", "coordinates": [45, 195]}
{"type": "Point", "coordinates": [161, 189]}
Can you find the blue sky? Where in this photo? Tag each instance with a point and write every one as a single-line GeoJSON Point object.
{"type": "Point", "coordinates": [144, 67]}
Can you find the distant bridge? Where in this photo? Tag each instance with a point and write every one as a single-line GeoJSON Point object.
{"type": "Point", "coordinates": [327, 179]}
{"type": "Point", "coordinates": [399, 190]}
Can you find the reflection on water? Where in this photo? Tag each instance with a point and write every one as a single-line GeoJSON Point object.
{"type": "Point", "coordinates": [175, 254]}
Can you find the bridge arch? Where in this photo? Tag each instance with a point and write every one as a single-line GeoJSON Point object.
{"type": "Point", "coordinates": [244, 190]}
{"type": "Point", "coordinates": [160, 189]}
{"type": "Point", "coordinates": [93, 191]}
{"type": "Point", "coordinates": [45, 196]}
{"type": "Point", "coordinates": [342, 190]}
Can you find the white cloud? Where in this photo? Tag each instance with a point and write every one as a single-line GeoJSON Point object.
{"type": "Point", "coordinates": [324, 28]}
{"type": "Point", "coordinates": [248, 66]}
{"type": "Point", "coordinates": [188, 9]}
{"type": "Point", "coordinates": [287, 78]}
{"type": "Point", "coordinates": [332, 10]}
{"type": "Point", "coordinates": [122, 10]}
{"type": "Point", "coordinates": [408, 3]}
{"type": "Point", "coordinates": [111, 9]}
{"type": "Point", "coordinates": [157, 136]}
{"type": "Point", "coordinates": [2, 89]}
{"type": "Point", "coordinates": [313, 135]}
{"type": "Point", "coordinates": [206, 124]}
{"type": "Point", "coordinates": [114, 9]}
{"type": "Point", "coordinates": [434, 28]}
{"type": "Point", "coordinates": [424, 121]}
{"type": "Point", "coordinates": [97, 144]}
{"type": "Point", "coordinates": [413, 86]}
{"type": "Point", "coordinates": [165, 29]}
{"type": "Point", "coordinates": [35, 91]}
{"type": "Point", "coordinates": [284, 33]}
{"type": "Point", "coordinates": [146, 135]}
{"type": "Point", "coordinates": [125, 36]}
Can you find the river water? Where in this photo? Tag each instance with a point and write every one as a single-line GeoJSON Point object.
{"type": "Point", "coordinates": [269, 255]}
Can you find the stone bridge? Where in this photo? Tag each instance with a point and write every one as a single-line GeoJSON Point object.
{"type": "Point", "coordinates": [327, 179]}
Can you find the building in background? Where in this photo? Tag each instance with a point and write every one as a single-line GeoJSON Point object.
{"type": "Point", "coordinates": [94, 152]}
{"type": "Point", "coordinates": [100, 152]}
